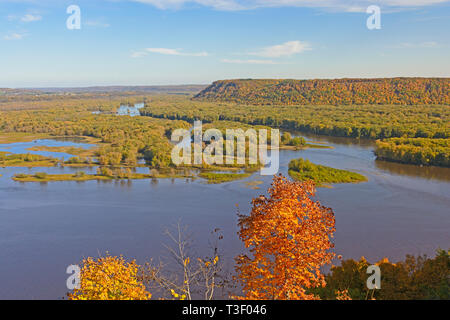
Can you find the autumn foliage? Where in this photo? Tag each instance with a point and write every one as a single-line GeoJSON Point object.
{"type": "Point", "coordinates": [420, 151]}
{"type": "Point", "coordinates": [109, 278]}
{"type": "Point", "coordinates": [288, 237]}
{"type": "Point", "coordinates": [395, 91]}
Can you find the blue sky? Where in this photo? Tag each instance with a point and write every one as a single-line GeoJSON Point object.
{"type": "Point", "coordinates": [151, 42]}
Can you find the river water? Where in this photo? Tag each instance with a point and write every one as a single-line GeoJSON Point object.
{"type": "Point", "coordinates": [25, 147]}
{"type": "Point", "coordinates": [46, 227]}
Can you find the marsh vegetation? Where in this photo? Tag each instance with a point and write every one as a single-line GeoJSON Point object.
{"type": "Point", "coordinates": [303, 170]}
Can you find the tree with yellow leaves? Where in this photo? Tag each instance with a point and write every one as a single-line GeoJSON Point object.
{"type": "Point", "coordinates": [109, 278]}
{"type": "Point", "coordinates": [288, 235]}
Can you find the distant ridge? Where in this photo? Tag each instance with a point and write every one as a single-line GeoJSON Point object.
{"type": "Point", "coordinates": [175, 89]}
{"type": "Point", "coordinates": [402, 91]}
{"type": "Point", "coordinates": [190, 88]}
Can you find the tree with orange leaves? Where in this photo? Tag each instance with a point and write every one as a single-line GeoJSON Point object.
{"type": "Point", "coordinates": [288, 235]}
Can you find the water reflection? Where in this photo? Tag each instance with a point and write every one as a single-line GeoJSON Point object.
{"type": "Point", "coordinates": [359, 148]}
{"type": "Point", "coordinates": [426, 172]}
{"type": "Point", "coordinates": [335, 140]}
{"type": "Point", "coordinates": [127, 110]}
{"type": "Point", "coordinates": [24, 147]}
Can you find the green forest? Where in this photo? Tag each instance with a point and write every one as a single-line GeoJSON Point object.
{"type": "Point", "coordinates": [416, 277]}
{"type": "Point", "coordinates": [420, 151]}
{"type": "Point", "coordinates": [124, 140]}
{"type": "Point", "coordinates": [425, 123]}
{"type": "Point", "coordinates": [366, 121]}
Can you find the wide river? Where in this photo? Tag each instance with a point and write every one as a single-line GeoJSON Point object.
{"type": "Point", "coordinates": [46, 227]}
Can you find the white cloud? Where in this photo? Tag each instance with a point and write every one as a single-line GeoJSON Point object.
{"type": "Point", "coordinates": [31, 18]}
{"type": "Point", "coordinates": [411, 3]}
{"type": "Point", "coordinates": [342, 5]}
{"type": "Point", "coordinates": [249, 61]}
{"type": "Point", "coordinates": [14, 36]}
{"type": "Point", "coordinates": [175, 52]}
{"type": "Point", "coordinates": [286, 49]}
{"type": "Point", "coordinates": [96, 23]}
{"type": "Point", "coordinates": [138, 54]}
{"type": "Point", "coordinates": [427, 44]}
{"type": "Point", "coordinates": [177, 4]}
{"type": "Point", "coordinates": [166, 51]}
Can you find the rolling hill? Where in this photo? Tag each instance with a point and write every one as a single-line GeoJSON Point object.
{"type": "Point", "coordinates": [394, 91]}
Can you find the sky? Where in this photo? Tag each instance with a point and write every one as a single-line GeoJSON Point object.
{"type": "Point", "coordinates": [169, 42]}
